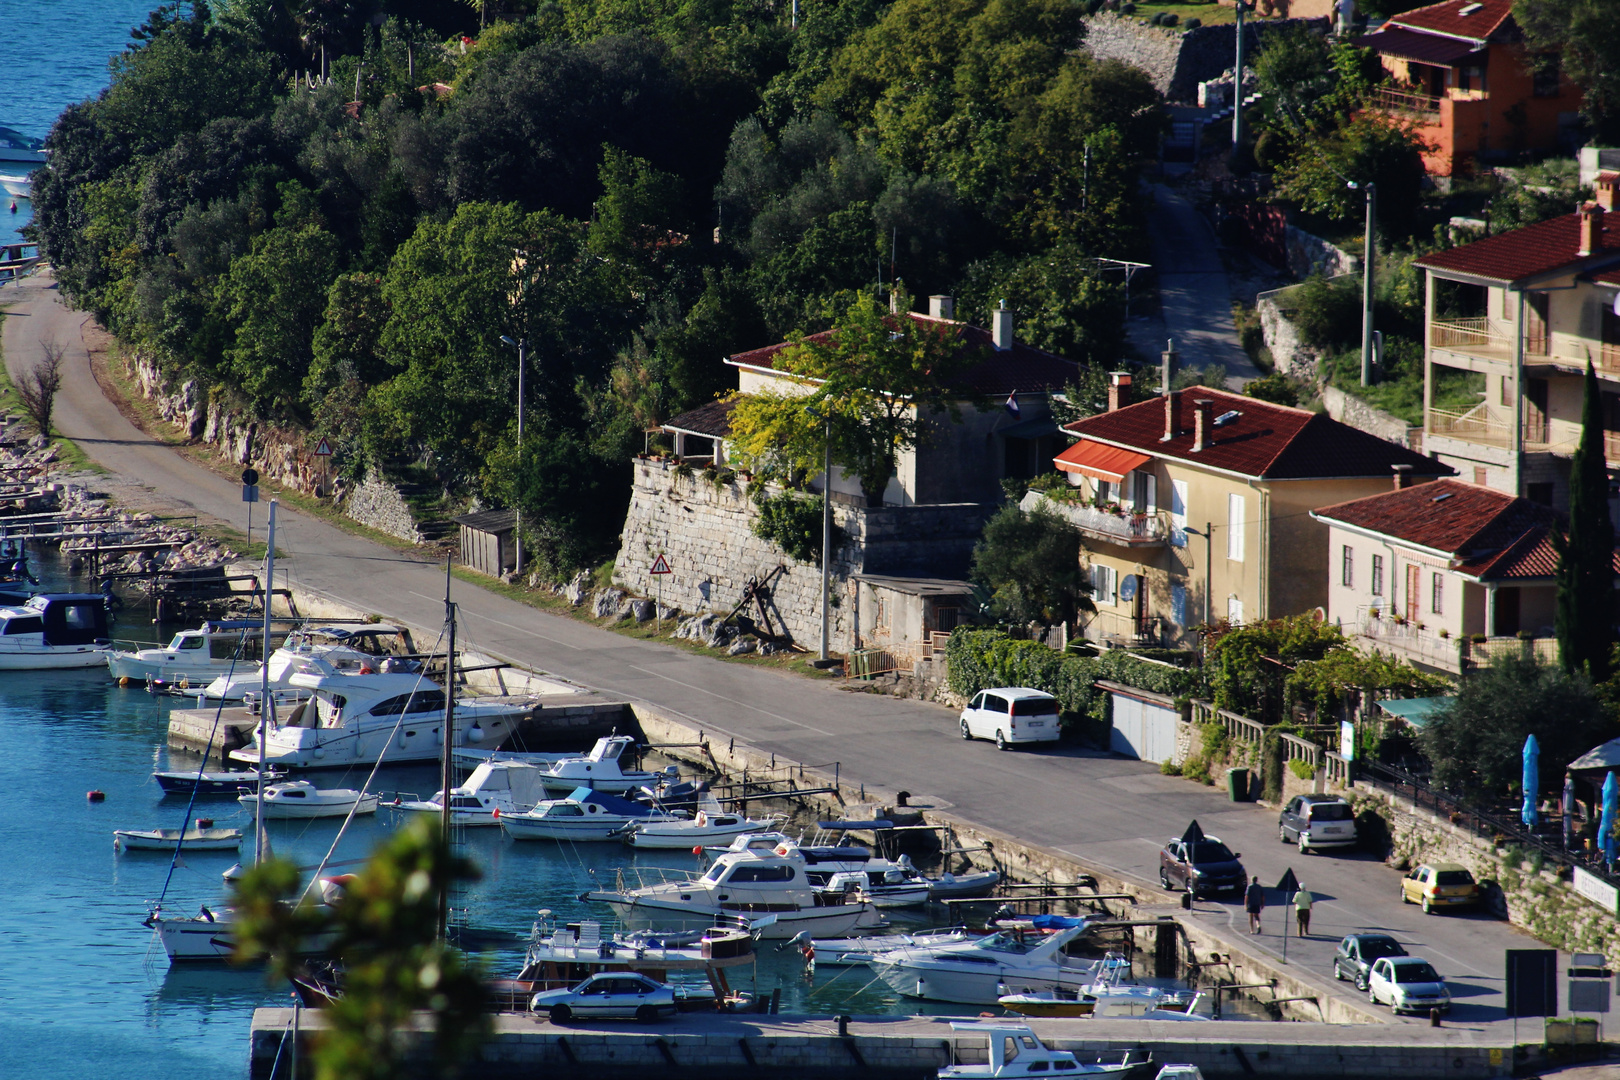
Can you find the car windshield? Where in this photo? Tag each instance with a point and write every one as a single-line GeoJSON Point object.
{"type": "Point", "coordinates": [1415, 973]}
{"type": "Point", "coordinates": [1209, 851]}
{"type": "Point", "coordinates": [1035, 706]}
{"type": "Point", "coordinates": [1373, 948]}
{"type": "Point", "coordinates": [1453, 877]}
{"type": "Point", "coordinates": [1331, 812]}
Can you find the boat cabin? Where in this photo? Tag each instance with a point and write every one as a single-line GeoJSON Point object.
{"type": "Point", "coordinates": [60, 619]}
{"type": "Point", "coordinates": [1011, 1050]}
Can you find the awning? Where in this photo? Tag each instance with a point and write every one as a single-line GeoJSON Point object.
{"type": "Point", "coordinates": [1416, 711]}
{"type": "Point", "coordinates": [1598, 759]}
{"type": "Point", "coordinates": [1096, 460]}
{"type": "Point", "coordinates": [1436, 49]}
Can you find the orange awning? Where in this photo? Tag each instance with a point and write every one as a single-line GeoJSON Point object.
{"type": "Point", "coordinates": [1099, 461]}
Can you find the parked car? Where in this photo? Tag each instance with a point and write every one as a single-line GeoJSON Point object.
{"type": "Point", "coordinates": [1201, 866]}
{"type": "Point", "coordinates": [609, 994]}
{"type": "Point", "coordinates": [1010, 715]}
{"type": "Point", "coordinates": [1357, 954]}
{"type": "Point", "coordinates": [1441, 884]}
{"type": "Point", "coordinates": [1407, 984]}
{"type": "Point", "coordinates": [1317, 821]}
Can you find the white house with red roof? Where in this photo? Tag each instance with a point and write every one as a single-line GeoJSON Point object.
{"type": "Point", "coordinates": [1461, 72]}
{"type": "Point", "coordinates": [1520, 314]}
{"type": "Point", "coordinates": [1194, 507]}
{"type": "Point", "coordinates": [1439, 571]}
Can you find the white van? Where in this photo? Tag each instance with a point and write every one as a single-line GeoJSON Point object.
{"type": "Point", "coordinates": [1011, 714]}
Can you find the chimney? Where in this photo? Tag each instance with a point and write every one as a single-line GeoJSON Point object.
{"type": "Point", "coordinates": [1402, 476]}
{"type": "Point", "coordinates": [1591, 215]}
{"type": "Point", "coordinates": [1119, 390]}
{"type": "Point", "coordinates": [1167, 366]}
{"type": "Point", "coordinates": [1169, 416]}
{"type": "Point", "coordinates": [1002, 330]}
{"type": "Point", "coordinates": [1202, 427]}
{"type": "Point", "coordinates": [894, 301]}
{"type": "Point", "coordinates": [1608, 188]}
{"type": "Point", "coordinates": [942, 307]}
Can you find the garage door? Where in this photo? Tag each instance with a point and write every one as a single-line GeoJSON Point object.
{"type": "Point", "coordinates": [1143, 729]}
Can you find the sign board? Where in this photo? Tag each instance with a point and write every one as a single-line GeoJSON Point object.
{"type": "Point", "coordinates": [250, 477]}
{"type": "Point", "coordinates": [323, 449]}
{"type": "Point", "coordinates": [1347, 740]}
{"type": "Point", "coordinates": [1532, 982]}
{"type": "Point", "coordinates": [250, 493]}
{"type": "Point", "coordinates": [1589, 995]}
{"type": "Point", "coordinates": [1597, 890]}
{"type": "Point", "coordinates": [660, 565]}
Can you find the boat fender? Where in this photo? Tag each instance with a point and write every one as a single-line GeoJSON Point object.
{"type": "Point", "coordinates": [185, 682]}
{"type": "Point", "coordinates": [782, 849]}
{"type": "Point", "coordinates": [496, 812]}
{"type": "Point", "coordinates": [808, 951]}
{"type": "Point", "coordinates": [205, 913]}
{"type": "Point", "coordinates": [123, 680]}
{"type": "Point", "coordinates": [697, 849]}
{"type": "Point", "coordinates": [702, 819]}
{"type": "Point", "coordinates": [96, 796]}
{"type": "Point", "coordinates": [365, 669]}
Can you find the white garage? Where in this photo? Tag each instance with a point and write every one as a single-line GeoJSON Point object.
{"type": "Point", "coordinates": [1144, 723]}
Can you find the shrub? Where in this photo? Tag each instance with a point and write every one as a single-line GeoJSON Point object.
{"type": "Point", "coordinates": [1127, 9]}
{"type": "Point", "coordinates": [793, 523]}
{"type": "Point", "coordinates": [1193, 23]}
{"type": "Point", "coordinates": [1301, 769]}
{"type": "Point", "coordinates": [1169, 768]}
{"type": "Point", "coordinates": [1327, 313]}
{"type": "Point", "coordinates": [1170, 19]}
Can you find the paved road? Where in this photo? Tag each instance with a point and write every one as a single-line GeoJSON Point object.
{"type": "Point", "coordinates": [1097, 807]}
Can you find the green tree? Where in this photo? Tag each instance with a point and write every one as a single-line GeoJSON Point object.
{"type": "Point", "coordinates": [1585, 604]}
{"type": "Point", "coordinates": [1276, 388]}
{"type": "Point", "coordinates": [273, 298]}
{"type": "Point", "coordinates": [1583, 37]}
{"type": "Point", "coordinates": [1369, 148]}
{"type": "Point", "coordinates": [1030, 562]}
{"type": "Point", "coordinates": [388, 937]}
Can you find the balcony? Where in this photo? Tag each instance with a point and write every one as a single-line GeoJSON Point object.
{"type": "Point", "coordinates": [1124, 528]}
{"type": "Point", "coordinates": [1421, 645]}
{"type": "Point", "coordinates": [1421, 107]}
{"type": "Point", "coordinates": [1480, 337]}
{"type": "Point", "coordinates": [1485, 425]}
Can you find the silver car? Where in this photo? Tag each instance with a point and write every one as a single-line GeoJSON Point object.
{"type": "Point", "coordinates": [621, 995]}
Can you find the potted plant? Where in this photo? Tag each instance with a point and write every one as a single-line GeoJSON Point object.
{"type": "Point", "coordinates": [1373, 612]}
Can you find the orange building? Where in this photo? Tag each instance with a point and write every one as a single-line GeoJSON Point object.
{"type": "Point", "coordinates": [1461, 71]}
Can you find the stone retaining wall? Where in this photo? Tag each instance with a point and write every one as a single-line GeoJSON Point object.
{"type": "Point", "coordinates": [1351, 410]}
{"type": "Point", "coordinates": [1178, 60]}
{"type": "Point", "coordinates": [376, 503]}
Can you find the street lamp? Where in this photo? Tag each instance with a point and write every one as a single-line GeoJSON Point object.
{"type": "Point", "coordinates": [1208, 532]}
{"type": "Point", "coordinates": [826, 518]}
{"type": "Point", "coordinates": [520, 344]}
{"type": "Point", "coordinates": [1367, 280]}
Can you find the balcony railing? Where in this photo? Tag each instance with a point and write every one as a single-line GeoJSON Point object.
{"type": "Point", "coordinates": [1481, 424]}
{"type": "Point", "coordinates": [1119, 528]}
{"type": "Point", "coordinates": [1403, 101]}
{"type": "Point", "coordinates": [1468, 335]}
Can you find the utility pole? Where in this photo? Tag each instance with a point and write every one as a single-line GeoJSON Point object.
{"type": "Point", "coordinates": [1237, 83]}
{"type": "Point", "coordinates": [1367, 285]}
{"type": "Point", "coordinates": [826, 530]}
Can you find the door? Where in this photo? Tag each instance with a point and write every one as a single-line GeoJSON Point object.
{"type": "Point", "coordinates": [1141, 621]}
{"type": "Point", "coordinates": [1413, 588]}
{"type": "Point", "coordinates": [1507, 613]}
{"type": "Point", "coordinates": [1535, 410]}
{"type": "Point", "coordinates": [1536, 338]}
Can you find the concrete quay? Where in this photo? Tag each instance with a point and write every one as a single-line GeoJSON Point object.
{"type": "Point", "coordinates": [743, 1047]}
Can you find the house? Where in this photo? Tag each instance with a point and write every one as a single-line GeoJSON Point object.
{"type": "Point", "coordinates": [1194, 506]}
{"type": "Point", "coordinates": [489, 541]}
{"type": "Point", "coordinates": [1460, 71]}
{"type": "Point", "coordinates": [1431, 572]}
{"type": "Point", "coordinates": [1514, 318]}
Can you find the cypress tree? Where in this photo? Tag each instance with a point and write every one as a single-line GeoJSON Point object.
{"type": "Point", "coordinates": [1585, 615]}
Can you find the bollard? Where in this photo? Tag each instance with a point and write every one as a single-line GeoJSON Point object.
{"type": "Point", "coordinates": [1434, 1017]}
{"type": "Point", "coordinates": [843, 1026]}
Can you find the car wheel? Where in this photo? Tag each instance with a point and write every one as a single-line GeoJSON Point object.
{"type": "Point", "coordinates": [966, 734]}
{"type": "Point", "coordinates": [1338, 972]}
{"type": "Point", "coordinates": [1404, 898]}
{"type": "Point", "coordinates": [646, 1014]}
{"type": "Point", "coordinates": [1303, 850]}
{"type": "Point", "coordinates": [1428, 909]}
{"type": "Point", "coordinates": [1361, 981]}
{"type": "Point", "coordinates": [1164, 879]}
{"type": "Point", "coordinates": [1372, 995]}
{"type": "Point", "coordinates": [561, 1014]}
{"type": "Point", "coordinates": [1282, 833]}
{"type": "Point", "coordinates": [1001, 742]}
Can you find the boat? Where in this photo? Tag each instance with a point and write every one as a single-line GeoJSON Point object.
{"type": "Point", "coordinates": [710, 823]}
{"type": "Point", "coordinates": [319, 650]}
{"type": "Point", "coordinates": [169, 839]}
{"type": "Point", "coordinates": [600, 770]}
{"type": "Point", "coordinates": [899, 890]}
{"type": "Point", "coordinates": [302, 799]}
{"type": "Point", "coordinates": [15, 148]}
{"type": "Point", "coordinates": [854, 951]}
{"type": "Point", "coordinates": [981, 971]}
{"type": "Point", "coordinates": [1110, 996]}
{"type": "Point", "coordinates": [746, 883]}
{"type": "Point", "coordinates": [54, 630]}
{"type": "Point", "coordinates": [18, 185]}
{"type": "Point", "coordinates": [495, 788]}
{"type": "Point", "coordinates": [1013, 1052]}
{"type": "Point", "coordinates": [213, 783]}
{"type": "Point", "coordinates": [584, 815]}
{"type": "Point", "coordinates": [200, 655]}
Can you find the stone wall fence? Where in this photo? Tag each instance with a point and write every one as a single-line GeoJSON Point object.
{"type": "Point", "coordinates": [1177, 59]}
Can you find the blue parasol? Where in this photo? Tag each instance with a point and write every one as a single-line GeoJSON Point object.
{"type": "Point", "coordinates": [1611, 801]}
{"type": "Point", "coordinates": [1532, 781]}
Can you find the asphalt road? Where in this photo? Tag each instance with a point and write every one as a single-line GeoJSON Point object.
{"type": "Point", "coordinates": [1096, 807]}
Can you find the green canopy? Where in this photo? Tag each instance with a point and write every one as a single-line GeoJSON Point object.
{"type": "Point", "coordinates": [1416, 711]}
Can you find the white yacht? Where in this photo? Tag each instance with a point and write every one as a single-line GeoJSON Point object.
{"type": "Point", "coordinates": [322, 650]}
{"type": "Point", "coordinates": [600, 770]}
{"type": "Point", "coordinates": [853, 951]}
{"type": "Point", "coordinates": [981, 971]}
{"type": "Point", "coordinates": [211, 651]}
{"type": "Point", "coordinates": [496, 789]}
{"type": "Point", "coordinates": [358, 718]}
{"type": "Point", "coordinates": [584, 815]}
{"type": "Point", "coordinates": [708, 825]}
{"type": "Point", "coordinates": [302, 799]}
{"type": "Point", "coordinates": [1013, 1052]}
{"type": "Point", "coordinates": [54, 630]}
{"type": "Point", "coordinates": [744, 883]}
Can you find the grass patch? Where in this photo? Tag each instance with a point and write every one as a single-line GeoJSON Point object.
{"type": "Point", "coordinates": [1208, 14]}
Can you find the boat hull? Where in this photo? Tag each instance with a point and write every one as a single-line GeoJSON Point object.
{"type": "Point", "coordinates": [165, 839]}
{"type": "Point", "coordinates": [677, 840]}
{"type": "Point", "coordinates": [640, 914]}
{"type": "Point", "coordinates": [933, 981]}
{"type": "Point", "coordinates": [52, 659]}
{"type": "Point", "coordinates": [457, 817]}
{"type": "Point", "coordinates": [562, 829]}
{"type": "Point", "coordinates": [213, 783]}
{"type": "Point", "coordinates": [277, 810]}
{"type": "Point", "coordinates": [414, 740]}
{"type": "Point", "coordinates": [133, 666]}
{"type": "Point", "coordinates": [20, 187]}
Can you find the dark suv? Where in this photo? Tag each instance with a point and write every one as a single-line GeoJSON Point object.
{"type": "Point", "coordinates": [1358, 952]}
{"type": "Point", "coordinates": [1317, 821]}
{"type": "Point", "coordinates": [1200, 866]}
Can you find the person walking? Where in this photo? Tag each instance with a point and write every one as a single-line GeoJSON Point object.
{"type": "Point", "coordinates": [1568, 807]}
{"type": "Point", "coordinates": [1254, 902]}
{"type": "Point", "coordinates": [1302, 910]}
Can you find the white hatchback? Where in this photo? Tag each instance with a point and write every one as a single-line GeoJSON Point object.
{"type": "Point", "coordinates": [1011, 714]}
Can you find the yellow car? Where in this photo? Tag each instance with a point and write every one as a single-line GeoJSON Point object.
{"type": "Point", "coordinates": [1440, 884]}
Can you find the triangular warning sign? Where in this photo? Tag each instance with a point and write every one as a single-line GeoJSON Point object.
{"type": "Point", "coordinates": [324, 449]}
{"type": "Point", "coordinates": [660, 565]}
{"type": "Point", "coordinates": [1289, 885]}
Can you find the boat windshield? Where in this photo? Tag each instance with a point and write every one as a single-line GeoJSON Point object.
{"type": "Point", "coordinates": [714, 872]}
{"type": "Point", "coordinates": [1007, 941]}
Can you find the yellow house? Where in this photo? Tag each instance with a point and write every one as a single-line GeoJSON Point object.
{"type": "Point", "coordinates": [1194, 507]}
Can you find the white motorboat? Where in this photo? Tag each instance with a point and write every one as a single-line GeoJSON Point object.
{"type": "Point", "coordinates": [197, 656]}
{"type": "Point", "coordinates": [981, 971]}
{"type": "Point", "coordinates": [19, 152]}
{"type": "Point", "coordinates": [708, 825]}
{"type": "Point", "coordinates": [359, 717]}
{"type": "Point", "coordinates": [495, 789]}
{"type": "Point", "coordinates": [894, 881]}
{"type": "Point", "coordinates": [583, 816]}
{"type": "Point", "coordinates": [167, 839]}
{"type": "Point", "coordinates": [1013, 1052]}
{"type": "Point", "coordinates": [302, 799]}
{"type": "Point", "coordinates": [54, 630]}
{"type": "Point", "coordinates": [320, 650]}
{"type": "Point", "coordinates": [743, 883]}
{"type": "Point", "coordinates": [601, 770]}
{"type": "Point", "coordinates": [854, 951]}
{"type": "Point", "coordinates": [17, 184]}
{"type": "Point", "coordinates": [1111, 997]}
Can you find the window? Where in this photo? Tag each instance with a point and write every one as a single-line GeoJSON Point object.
{"type": "Point", "coordinates": [1234, 527]}
{"type": "Point", "coordinates": [1347, 566]}
{"type": "Point", "coordinates": [1234, 611]}
{"type": "Point", "coordinates": [1104, 584]}
{"type": "Point", "coordinates": [760, 873]}
{"type": "Point", "coordinates": [1035, 706]}
{"type": "Point", "coordinates": [1106, 491]}
{"type": "Point", "coordinates": [1378, 575]}
{"type": "Point", "coordinates": [1145, 492]}
{"type": "Point", "coordinates": [1437, 594]}
{"type": "Point", "coordinates": [1504, 393]}
{"type": "Point", "coordinates": [1178, 604]}
{"type": "Point", "coordinates": [27, 624]}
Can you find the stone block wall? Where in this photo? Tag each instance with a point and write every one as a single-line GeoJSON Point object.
{"type": "Point", "coordinates": [376, 503]}
{"type": "Point", "coordinates": [1351, 410]}
{"type": "Point", "coordinates": [1178, 60]}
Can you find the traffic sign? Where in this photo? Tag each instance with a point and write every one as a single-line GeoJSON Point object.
{"type": "Point", "coordinates": [250, 492]}
{"type": "Point", "coordinates": [250, 476]}
{"type": "Point", "coordinates": [660, 565]}
{"type": "Point", "coordinates": [323, 449]}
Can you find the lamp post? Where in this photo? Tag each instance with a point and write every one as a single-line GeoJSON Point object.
{"type": "Point", "coordinates": [826, 520]}
{"type": "Point", "coordinates": [1209, 544]}
{"type": "Point", "coordinates": [520, 344]}
{"type": "Point", "coordinates": [1237, 82]}
{"type": "Point", "coordinates": [1367, 280]}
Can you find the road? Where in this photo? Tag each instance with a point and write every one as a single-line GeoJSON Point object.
{"type": "Point", "coordinates": [1094, 806]}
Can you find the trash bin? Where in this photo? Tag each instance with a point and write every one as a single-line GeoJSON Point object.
{"type": "Point", "coordinates": [1237, 785]}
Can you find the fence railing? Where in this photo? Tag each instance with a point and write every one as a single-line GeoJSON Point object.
{"type": "Point", "coordinates": [1468, 333]}
{"type": "Point", "coordinates": [1404, 101]}
{"type": "Point", "coordinates": [1125, 527]}
{"type": "Point", "coordinates": [1338, 769]}
{"type": "Point", "coordinates": [1298, 749]}
{"type": "Point", "coordinates": [1237, 727]}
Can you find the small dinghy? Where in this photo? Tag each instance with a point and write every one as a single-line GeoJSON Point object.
{"type": "Point", "coordinates": [213, 783]}
{"type": "Point", "coordinates": [302, 799]}
{"type": "Point", "coordinates": [166, 839]}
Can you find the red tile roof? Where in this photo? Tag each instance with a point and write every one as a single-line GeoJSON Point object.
{"type": "Point", "coordinates": [712, 418]}
{"type": "Point", "coordinates": [1262, 440]}
{"type": "Point", "coordinates": [1535, 249]}
{"type": "Point", "coordinates": [1020, 369]}
{"type": "Point", "coordinates": [1482, 19]}
{"type": "Point", "coordinates": [1422, 47]}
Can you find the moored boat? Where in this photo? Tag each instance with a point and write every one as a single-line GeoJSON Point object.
{"type": "Point", "coordinates": [1013, 1052]}
{"type": "Point", "coordinates": [979, 972]}
{"type": "Point", "coordinates": [213, 783]}
{"type": "Point", "coordinates": [708, 825]}
{"type": "Point", "coordinates": [197, 656]}
{"type": "Point", "coordinates": [302, 799]}
{"type": "Point", "coordinates": [495, 788]}
{"type": "Point", "coordinates": [602, 770]}
{"type": "Point", "coordinates": [584, 816]}
{"type": "Point", "coordinates": [54, 630]}
{"type": "Point", "coordinates": [185, 839]}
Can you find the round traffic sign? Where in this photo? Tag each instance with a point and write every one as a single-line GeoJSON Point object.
{"type": "Point", "coordinates": [250, 476]}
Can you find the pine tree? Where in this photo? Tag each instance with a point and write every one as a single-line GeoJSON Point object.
{"type": "Point", "coordinates": [1585, 615]}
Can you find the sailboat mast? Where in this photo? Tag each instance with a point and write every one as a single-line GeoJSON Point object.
{"type": "Point", "coordinates": [449, 730]}
{"type": "Point", "coordinates": [264, 686]}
